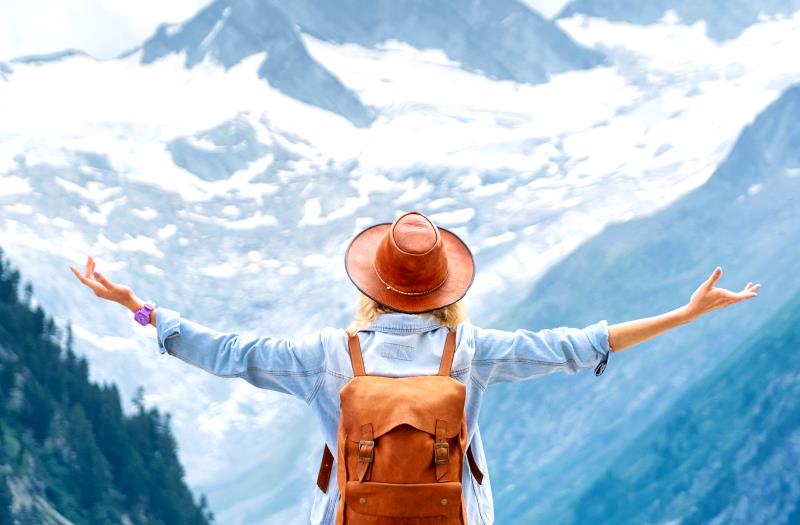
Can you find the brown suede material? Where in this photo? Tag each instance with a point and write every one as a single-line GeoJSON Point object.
{"type": "Point", "coordinates": [448, 354]}
{"type": "Point", "coordinates": [404, 417]}
{"type": "Point", "coordinates": [394, 464]}
{"type": "Point", "coordinates": [407, 501]}
{"type": "Point", "coordinates": [411, 265]}
{"type": "Point", "coordinates": [387, 402]}
{"type": "Point", "coordinates": [354, 347]}
{"type": "Point", "coordinates": [325, 469]}
{"type": "Point", "coordinates": [473, 465]}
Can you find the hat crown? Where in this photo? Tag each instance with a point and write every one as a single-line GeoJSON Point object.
{"type": "Point", "coordinates": [414, 233]}
{"type": "Point", "coordinates": [411, 256]}
{"type": "Point", "coordinates": [410, 265]}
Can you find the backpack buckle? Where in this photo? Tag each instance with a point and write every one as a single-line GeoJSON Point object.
{"type": "Point", "coordinates": [370, 444]}
{"type": "Point", "coordinates": [442, 458]}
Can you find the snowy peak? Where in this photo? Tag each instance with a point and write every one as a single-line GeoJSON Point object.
{"type": "Point", "coordinates": [502, 39]}
{"type": "Point", "coordinates": [724, 20]}
{"type": "Point", "coordinates": [228, 31]}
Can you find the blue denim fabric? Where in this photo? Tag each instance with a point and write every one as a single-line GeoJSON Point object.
{"type": "Point", "coordinates": [314, 367]}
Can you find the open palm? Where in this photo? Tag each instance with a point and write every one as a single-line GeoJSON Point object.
{"type": "Point", "coordinates": [101, 286]}
{"type": "Point", "coordinates": [708, 298]}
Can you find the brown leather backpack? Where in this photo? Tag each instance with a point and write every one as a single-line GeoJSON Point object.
{"type": "Point", "coordinates": [401, 447]}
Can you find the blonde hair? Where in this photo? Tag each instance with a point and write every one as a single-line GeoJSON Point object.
{"type": "Point", "coordinates": [368, 310]}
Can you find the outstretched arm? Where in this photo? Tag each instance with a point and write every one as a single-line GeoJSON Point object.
{"type": "Point", "coordinates": [705, 299]}
{"type": "Point", "coordinates": [290, 365]}
{"type": "Point", "coordinates": [502, 356]}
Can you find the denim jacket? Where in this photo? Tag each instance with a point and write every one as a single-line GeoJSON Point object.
{"type": "Point", "coordinates": [314, 367]}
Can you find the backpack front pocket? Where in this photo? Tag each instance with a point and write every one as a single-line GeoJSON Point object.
{"type": "Point", "coordinates": [373, 503]}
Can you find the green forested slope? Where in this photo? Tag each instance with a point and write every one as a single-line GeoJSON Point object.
{"type": "Point", "coordinates": [727, 452]}
{"type": "Point", "coordinates": [66, 448]}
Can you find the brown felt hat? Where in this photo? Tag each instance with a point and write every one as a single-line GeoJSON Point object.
{"type": "Point", "coordinates": [410, 265]}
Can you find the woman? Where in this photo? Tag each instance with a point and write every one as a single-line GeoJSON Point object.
{"type": "Point", "coordinates": [413, 276]}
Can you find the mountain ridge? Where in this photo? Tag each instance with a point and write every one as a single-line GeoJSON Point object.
{"type": "Point", "coordinates": [646, 266]}
{"type": "Point", "coordinates": [723, 21]}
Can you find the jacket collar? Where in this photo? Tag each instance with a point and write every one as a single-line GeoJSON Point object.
{"type": "Point", "coordinates": [399, 322]}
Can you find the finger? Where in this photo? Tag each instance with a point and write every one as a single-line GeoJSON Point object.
{"type": "Point", "coordinates": [85, 280]}
{"type": "Point", "coordinates": [102, 279]}
{"type": "Point", "coordinates": [714, 277]}
{"type": "Point", "coordinates": [96, 287]}
{"type": "Point", "coordinates": [745, 295]}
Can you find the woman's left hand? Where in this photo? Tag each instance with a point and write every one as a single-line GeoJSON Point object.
{"type": "Point", "coordinates": [708, 298]}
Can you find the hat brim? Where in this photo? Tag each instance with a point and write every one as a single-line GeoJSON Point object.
{"type": "Point", "coordinates": [358, 264]}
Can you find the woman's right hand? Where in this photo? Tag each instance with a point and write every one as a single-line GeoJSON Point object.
{"type": "Point", "coordinates": [102, 287]}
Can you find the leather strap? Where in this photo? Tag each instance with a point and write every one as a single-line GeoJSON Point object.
{"type": "Point", "coordinates": [473, 466]}
{"type": "Point", "coordinates": [327, 465]}
{"type": "Point", "coordinates": [447, 354]}
{"type": "Point", "coordinates": [441, 452]}
{"type": "Point", "coordinates": [365, 449]}
{"type": "Point", "coordinates": [325, 468]}
{"type": "Point", "coordinates": [354, 346]}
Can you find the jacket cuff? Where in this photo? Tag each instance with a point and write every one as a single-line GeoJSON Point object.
{"type": "Point", "coordinates": [598, 336]}
{"type": "Point", "coordinates": [168, 324]}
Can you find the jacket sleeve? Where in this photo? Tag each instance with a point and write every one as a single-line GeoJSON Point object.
{"type": "Point", "coordinates": [289, 365]}
{"type": "Point", "coordinates": [502, 356]}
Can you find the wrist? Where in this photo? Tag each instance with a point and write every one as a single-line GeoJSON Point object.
{"type": "Point", "coordinates": [144, 312]}
{"type": "Point", "coordinates": [132, 303]}
{"type": "Point", "coordinates": [685, 314]}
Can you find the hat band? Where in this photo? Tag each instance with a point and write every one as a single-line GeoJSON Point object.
{"type": "Point", "coordinates": [390, 287]}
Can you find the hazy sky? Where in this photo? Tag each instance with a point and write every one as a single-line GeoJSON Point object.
{"type": "Point", "coordinates": [102, 28]}
{"type": "Point", "coordinates": [105, 28]}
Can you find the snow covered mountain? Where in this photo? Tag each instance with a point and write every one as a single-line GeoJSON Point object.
{"type": "Point", "coordinates": [503, 39]}
{"type": "Point", "coordinates": [228, 31]}
{"type": "Point", "coordinates": [232, 199]}
{"type": "Point", "coordinates": [723, 20]}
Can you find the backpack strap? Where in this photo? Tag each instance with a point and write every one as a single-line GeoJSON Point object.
{"type": "Point", "coordinates": [325, 468]}
{"type": "Point", "coordinates": [473, 466]}
{"type": "Point", "coordinates": [366, 452]}
{"type": "Point", "coordinates": [441, 452]}
{"type": "Point", "coordinates": [354, 346]}
{"type": "Point", "coordinates": [448, 353]}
